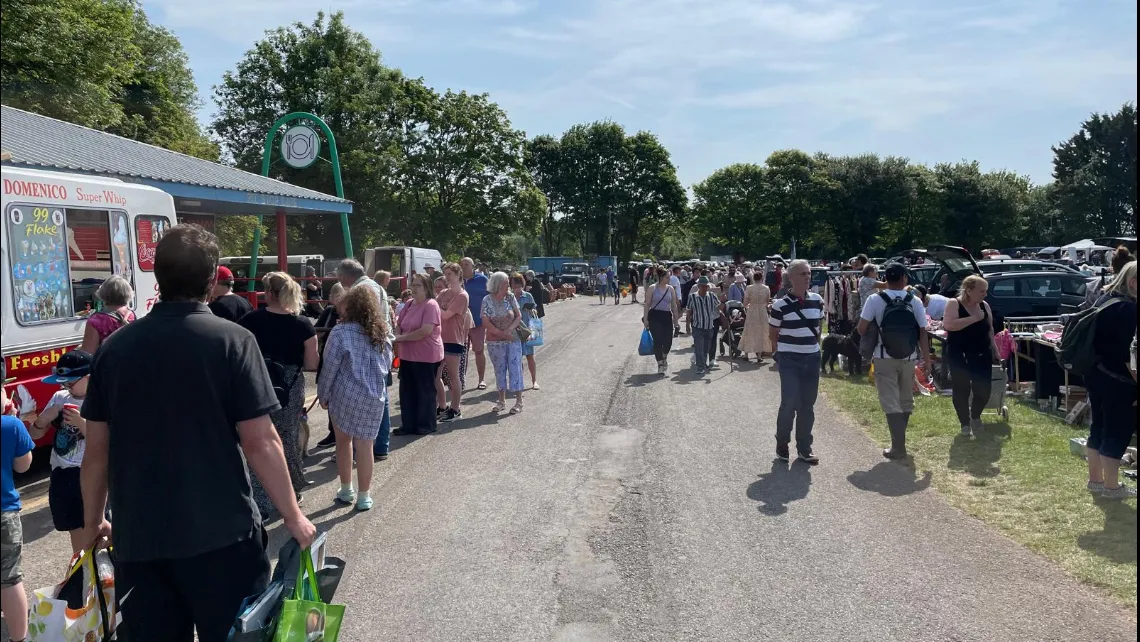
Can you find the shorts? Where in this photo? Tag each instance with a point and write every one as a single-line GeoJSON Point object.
{"type": "Point", "coordinates": [477, 337]}
{"type": "Point", "coordinates": [11, 548]}
{"type": "Point", "coordinates": [453, 348]}
{"type": "Point", "coordinates": [65, 499]}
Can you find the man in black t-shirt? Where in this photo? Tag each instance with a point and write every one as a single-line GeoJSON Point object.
{"type": "Point", "coordinates": [226, 304]}
{"type": "Point", "coordinates": [189, 398]}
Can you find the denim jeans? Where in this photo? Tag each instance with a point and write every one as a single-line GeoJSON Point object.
{"type": "Point", "coordinates": [384, 437]}
{"type": "Point", "coordinates": [704, 345]}
{"type": "Point", "coordinates": [799, 386]}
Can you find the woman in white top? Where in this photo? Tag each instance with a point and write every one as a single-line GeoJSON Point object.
{"type": "Point", "coordinates": [660, 316]}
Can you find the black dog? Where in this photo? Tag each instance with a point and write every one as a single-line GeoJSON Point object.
{"type": "Point", "coordinates": [839, 344]}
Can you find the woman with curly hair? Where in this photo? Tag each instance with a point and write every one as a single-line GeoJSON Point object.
{"type": "Point", "coordinates": [351, 387]}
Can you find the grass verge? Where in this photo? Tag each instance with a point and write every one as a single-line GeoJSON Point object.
{"type": "Point", "coordinates": [1018, 477]}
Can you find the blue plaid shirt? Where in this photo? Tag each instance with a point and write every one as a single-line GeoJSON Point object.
{"type": "Point", "coordinates": [352, 378]}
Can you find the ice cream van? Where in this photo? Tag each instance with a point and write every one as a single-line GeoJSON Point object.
{"type": "Point", "coordinates": [63, 235]}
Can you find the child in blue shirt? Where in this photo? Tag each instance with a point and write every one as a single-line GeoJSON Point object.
{"type": "Point", "coordinates": [16, 456]}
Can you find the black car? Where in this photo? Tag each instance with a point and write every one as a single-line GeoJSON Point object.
{"type": "Point", "coordinates": [954, 264]}
{"type": "Point", "coordinates": [1034, 294]}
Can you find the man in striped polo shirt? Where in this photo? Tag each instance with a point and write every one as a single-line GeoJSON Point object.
{"type": "Point", "coordinates": [703, 311]}
{"type": "Point", "coordinates": [795, 327]}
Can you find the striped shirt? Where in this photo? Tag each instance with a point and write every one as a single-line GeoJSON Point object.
{"type": "Point", "coordinates": [706, 310]}
{"type": "Point", "coordinates": [799, 323]}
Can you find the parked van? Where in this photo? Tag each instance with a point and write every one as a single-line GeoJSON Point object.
{"type": "Point", "coordinates": [63, 235]}
{"type": "Point", "coordinates": [401, 262]}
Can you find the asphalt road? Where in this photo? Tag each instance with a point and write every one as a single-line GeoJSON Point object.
{"type": "Point", "coordinates": [625, 506]}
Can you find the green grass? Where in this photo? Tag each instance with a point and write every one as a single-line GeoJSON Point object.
{"type": "Point", "coordinates": [1019, 477]}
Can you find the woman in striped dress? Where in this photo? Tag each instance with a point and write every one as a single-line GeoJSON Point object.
{"type": "Point", "coordinates": [351, 387]}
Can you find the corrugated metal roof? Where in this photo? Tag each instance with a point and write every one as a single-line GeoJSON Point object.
{"type": "Point", "coordinates": [39, 141]}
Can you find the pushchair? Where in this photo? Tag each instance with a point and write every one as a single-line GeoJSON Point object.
{"type": "Point", "coordinates": [730, 338]}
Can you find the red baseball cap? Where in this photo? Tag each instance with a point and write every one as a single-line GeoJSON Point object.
{"type": "Point", "coordinates": [224, 274]}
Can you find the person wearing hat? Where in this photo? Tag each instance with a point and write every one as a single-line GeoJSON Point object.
{"type": "Point", "coordinates": [71, 374]}
{"type": "Point", "coordinates": [703, 312]}
{"type": "Point", "coordinates": [736, 290]}
{"type": "Point", "coordinates": [226, 304]}
{"type": "Point", "coordinates": [899, 344]}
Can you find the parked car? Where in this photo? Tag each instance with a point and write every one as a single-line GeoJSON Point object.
{"type": "Point", "coordinates": [576, 274]}
{"type": "Point", "coordinates": [1032, 294]}
{"type": "Point", "coordinates": [1023, 265]}
{"type": "Point", "coordinates": [949, 260]}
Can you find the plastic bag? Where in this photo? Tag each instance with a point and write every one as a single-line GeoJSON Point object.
{"type": "Point", "coordinates": [645, 347]}
{"type": "Point", "coordinates": [305, 617]}
{"type": "Point", "coordinates": [535, 326]}
{"type": "Point", "coordinates": [75, 610]}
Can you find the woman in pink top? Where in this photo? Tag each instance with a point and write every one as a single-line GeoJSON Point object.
{"type": "Point", "coordinates": [421, 353]}
{"type": "Point", "coordinates": [116, 295]}
{"type": "Point", "coordinates": [453, 302]}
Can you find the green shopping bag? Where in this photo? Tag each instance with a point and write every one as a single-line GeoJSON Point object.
{"type": "Point", "coordinates": [305, 618]}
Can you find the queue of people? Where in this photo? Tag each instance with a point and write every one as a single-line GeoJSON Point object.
{"type": "Point", "coordinates": [225, 383]}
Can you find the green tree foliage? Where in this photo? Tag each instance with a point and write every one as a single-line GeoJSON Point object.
{"type": "Point", "coordinates": [604, 187]}
{"type": "Point", "coordinates": [100, 64]}
{"type": "Point", "coordinates": [1095, 174]}
{"type": "Point", "coordinates": [727, 208]}
{"type": "Point", "coordinates": [443, 171]}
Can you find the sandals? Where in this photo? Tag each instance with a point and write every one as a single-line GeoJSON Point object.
{"type": "Point", "coordinates": [534, 386]}
{"type": "Point", "coordinates": [500, 407]}
{"type": "Point", "coordinates": [482, 386]}
{"type": "Point", "coordinates": [516, 409]}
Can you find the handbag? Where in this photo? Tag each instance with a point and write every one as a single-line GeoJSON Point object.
{"type": "Point", "coordinates": [305, 617]}
{"type": "Point", "coordinates": [535, 326]}
{"type": "Point", "coordinates": [521, 330]}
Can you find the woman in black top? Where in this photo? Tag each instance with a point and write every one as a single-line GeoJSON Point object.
{"type": "Point", "coordinates": [1112, 385]}
{"type": "Point", "coordinates": [289, 340]}
{"type": "Point", "coordinates": [970, 351]}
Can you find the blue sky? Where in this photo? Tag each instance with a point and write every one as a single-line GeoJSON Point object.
{"type": "Point", "coordinates": [723, 81]}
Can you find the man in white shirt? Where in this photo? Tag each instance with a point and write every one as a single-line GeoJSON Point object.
{"type": "Point", "coordinates": [901, 319]}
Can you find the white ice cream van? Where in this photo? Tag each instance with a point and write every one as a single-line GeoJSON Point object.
{"type": "Point", "coordinates": [63, 234]}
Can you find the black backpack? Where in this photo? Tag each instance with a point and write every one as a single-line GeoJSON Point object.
{"type": "Point", "coordinates": [898, 329]}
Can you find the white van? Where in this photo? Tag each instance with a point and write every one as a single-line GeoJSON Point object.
{"type": "Point", "coordinates": [401, 262]}
{"type": "Point", "coordinates": [63, 235]}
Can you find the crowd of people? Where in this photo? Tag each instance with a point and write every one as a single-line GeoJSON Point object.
{"type": "Point", "coordinates": [786, 322]}
{"type": "Point", "coordinates": [206, 377]}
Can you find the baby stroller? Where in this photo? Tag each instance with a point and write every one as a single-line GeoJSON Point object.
{"type": "Point", "coordinates": [730, 338]}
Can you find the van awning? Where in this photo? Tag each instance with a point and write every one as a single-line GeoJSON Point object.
{"type": "Point", "coordinates": [40, 142]}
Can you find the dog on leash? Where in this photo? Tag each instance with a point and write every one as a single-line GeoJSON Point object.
{"type": "Point", "coordinates": [839, 344]}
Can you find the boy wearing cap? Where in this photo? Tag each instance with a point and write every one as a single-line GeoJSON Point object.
{"type": "Point", "coordinates": [17, 448]}
{"type": "Point", "coordinates": [65, 499]}
{"type": "Point", "coordinates": [225, 303]}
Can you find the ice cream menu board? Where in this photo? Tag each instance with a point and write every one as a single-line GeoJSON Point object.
{"type": "Point", "coordinates": [42, 287]}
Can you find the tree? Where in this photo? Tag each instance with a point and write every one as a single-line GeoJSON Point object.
{"type": "Point", "coordinates": [1095, 173]}
{"type": "Point", "coordinates": [919, 222]}
{"type": "Point", "coordinates": [423, 169]}
{"type": "Point", "coordinates": [797, 192]}
{"type": "Point", "coordinates": [728, 208]}
{"type": "Point", "coordinates": [607, 188]}
{"type": "Point", "coordinates": [100, 64]}
{"type": "Point", "coordinates": [867, 191]}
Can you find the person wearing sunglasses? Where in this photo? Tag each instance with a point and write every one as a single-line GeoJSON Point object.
{"type": "Point", "coordinates": [65, 499]}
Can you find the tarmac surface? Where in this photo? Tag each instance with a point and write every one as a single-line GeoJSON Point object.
{"type": "Point", "coordinates": [623, 505]}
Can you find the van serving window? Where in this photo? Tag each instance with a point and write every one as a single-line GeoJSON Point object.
{"type": "Point", "coordinates": [59, 258]}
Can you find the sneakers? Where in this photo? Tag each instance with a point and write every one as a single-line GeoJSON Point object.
{"type": "Point", "coordinates": [891, 453]}
{"type": "Point", "coordinates": [346, 496]}
{"type": "Point", "coordinates": [1095, 487]}
{"type": "Point", "coordinates": [1120, 492]}
{"type": "Point", "coordinates": [379, 457]}
{"type": "Point", "coordinates": [976, 426]}
{"type": "Point", "coordinates": [450, 415]}
{"type": "Point", "coordinates": [364, 503]}
{"type": "Point", "coordinates": [808, 458]}
{"type": "Point", "coordinates": [661, 368]}
{"type": "Point", "coordinates": [782, 452]}
{"type": "Point", "coordinates": [966, 430]}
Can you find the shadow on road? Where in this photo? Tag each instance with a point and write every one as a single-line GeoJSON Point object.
{"type": "Point", "coordinates": [784, 484]}
{"type": "Point", "coordinates": [1117, 542]}
{"type": "Point", "coordinates": [639, 380]}
{"type": "Point", "coordinates": [978, 455]}
{"type": "Point", "coordinates": [890, 479]}
{"type": "Point", "coordinates": [36, 524]}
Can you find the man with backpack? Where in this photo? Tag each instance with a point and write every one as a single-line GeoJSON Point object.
{"type": "Point", "coordinates": [901, 320]}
